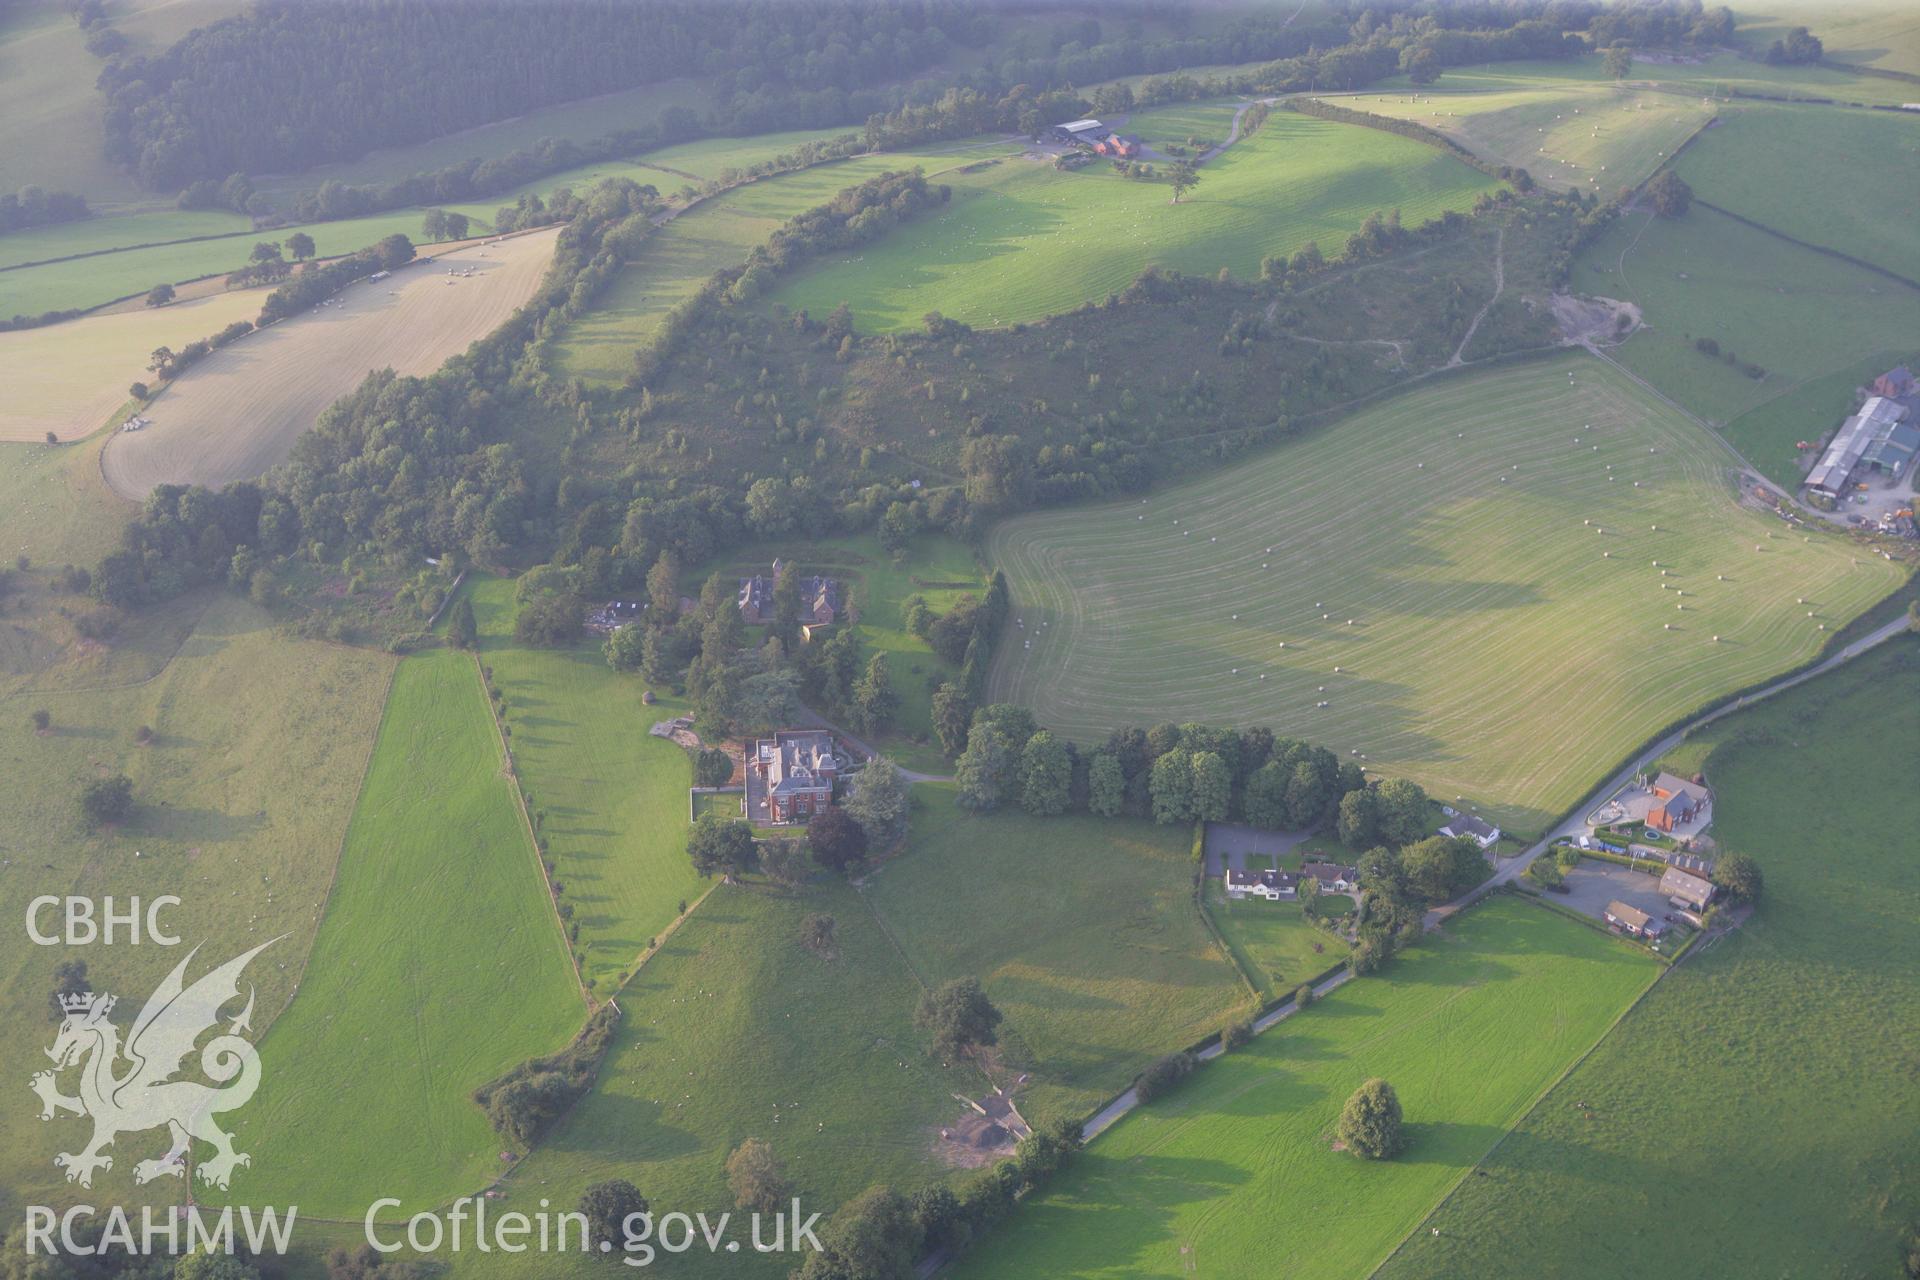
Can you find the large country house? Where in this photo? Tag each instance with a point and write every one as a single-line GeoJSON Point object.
{"type": "Point", "coordinates": [794, 772]}
{"type": "Point", "coordinates": [820, 599]}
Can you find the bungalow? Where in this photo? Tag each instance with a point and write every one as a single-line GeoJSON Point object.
{"type": "Point", "coordinates": [1332, 876]}
{"type": "Point", "coordinates": [1686, 890]}
{"type": "Point", "coordinates": [1678, 802]}
{"type": "Point", "coordinates": [1270, 884]}
{"type": "Point", "coordinates": [796, 770]}
{"type": "Point", "coordinates": [1464, 826]}
{"type": "Point", "coordinates": [1634, 922]}
{"type": "Point", "coordinates": [820, 600]}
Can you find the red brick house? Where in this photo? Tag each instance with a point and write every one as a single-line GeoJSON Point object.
{"type": "Point", "coordinates": [820, 600]}
{"type": "Point", "coordinates": [1678, 802]}
{"type": "Point", "coordinates": [796, 770]}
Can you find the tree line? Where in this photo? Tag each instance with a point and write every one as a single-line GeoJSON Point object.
{"type": "Point", "coordinates": [33, 206]}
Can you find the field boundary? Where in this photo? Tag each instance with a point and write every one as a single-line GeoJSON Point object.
{"type": "Point", "coordinates": [1538, 1100]}
{"type": "Point", "coordinates": [1848, 258]}
{"type": "Point", "coordinates": [526, 824]}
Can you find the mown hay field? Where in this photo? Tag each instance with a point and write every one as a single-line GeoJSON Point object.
{"type": "Point", "coordinates": [1794, 312]}
{"type": "Point", "coordinates": [1852, 184]}
{"type": "Point", "coordinates": [719, 233]}
{"type": "Point", "coordinates": [1576, 134]}
{"type": "Point", "coordinates": [439, 964]}
{"type": "Point", "coordinates": [612, 798]}
{"type": "Point", "coordinates": [239, 411]}
{"type": "Point", "coordinates": [238, 817]}
{"type": "Point", "coordinates": [1717, 76]}
{"type": "Point", "coordinates": [1023, 240]}
{"type": "Point", "coordinates": [1499, 585]}
{"type": "Point", "coordinates": [1807, 1000]}
{"type": "Point", "coordinates": [70, 378]}
{"type": "Point", "coordinates": [1233, 1172]}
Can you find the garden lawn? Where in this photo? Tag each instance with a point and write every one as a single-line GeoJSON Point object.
{"type": "Point", "coordinates": [1082, 930]}
{"type": "Point", "coordinates": [439, 965]}
{"type": "Point", "coordinates": [733, 1030]}
{"type": "Point", "coordinates": [1594, 137]}
{"type": "Point", "coordinates": [1274, 941]}
{"type": "Point", "coordinates": [1811, 999]}
{"type": "Point", "coordinates": [1233, 1172]}
{"type": "Point", "coordinates": [611, 798]}
{"type": "Point", "coordinates": [1460, 554]}
{"type": "Point", "coordinates": [1023, 240]}
{"type": "Point", "coordinates": [234, 814]}
{"type": "Point", "coordinates": [1871, 156]}
{"type": "Point", "coordinates": [1796, 313]}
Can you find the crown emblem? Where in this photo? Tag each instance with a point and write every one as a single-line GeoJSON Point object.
{"type": "Point", "coordinates": [83, 1001]}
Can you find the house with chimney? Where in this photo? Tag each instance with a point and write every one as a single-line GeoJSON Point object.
{"type": "Point", "coordinates": [790, 776]}
{"type": "Point", "coordinates": [821, 599]}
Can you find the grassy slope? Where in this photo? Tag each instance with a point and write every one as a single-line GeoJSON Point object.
{"type": "Point", "coordinates": [719, 233]}
{"type": "Point", "coordinates": [89, 282]}
{"type": "Point", "coordinates": [42, 244]}
{"type": "Point", "coordinates": [1022, 240]}
{"type": "Point", "coordinates": [1485, 614]}
{"type": "Point", "coordinates": [614, 797]}
{"type": "Point", "coordinates": [1766, 1086]}
{"type": "Point", "coordinates": [1082, 931]}
{"type": "Point", "coordinates": [54, 507]}
{"type": "Point", "coordinates": [1273, 940]}
{"type": "Point", "coordinates": [438, 966]}
{"type": "Point", "coordinates": [734, 1031]}
{"type": "Point", "coordinates": [1719, 76]}
{"type": "Point", "coordinates": [1852, 177]}
{"type": "Point", "coordinates": [1800, 314]}
{"type": "Point", "coordinates": [1232, 1173]}
{"type": "Point", "coordinates": [1875, 34]}
{"type": "Point", "coordinates": [232, 808]}
{"type": "Point", "coordinates": [1572, 133]}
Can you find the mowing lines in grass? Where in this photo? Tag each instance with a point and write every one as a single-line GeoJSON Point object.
{"type": "Point", "coordinates": [438, 966]}
{"type": "Point", "coordinates": [1023, 240]}
{"type": "Point", "coordinates": [1497, 586]}
{"type": "Point", "coordinates": [1233, 1173]}
{"type": "Point", "coordinates": [1767, 1083]}
{"type": "Point", "coordinates": [611, 798]}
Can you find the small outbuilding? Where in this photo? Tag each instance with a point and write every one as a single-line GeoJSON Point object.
{"type": "Point", "coordinates": [1464, 826]}
{"type": "Point", "coordinates": [1686, 890]}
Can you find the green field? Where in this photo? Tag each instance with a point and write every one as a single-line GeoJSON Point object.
{"type": "Point", "coordinates": [1273, 942]}
{"type": "Point", "coordinates": [42, 244]}
{"type": "Point", "coordinates": [1874, 34]}
{"type": "Point", "coordinates": [1233, 1174]}
{"type": "Point", "coordinates": [90, 282]}
{"type": "Point", "coordinates": [719, 233]}
{"type": "Point", "coordinates": [1022, 240]}
{"type": "Point", "coordinates": [613, 798]}
{"type": "Point", "coordinates": [1871, 156]}
{"type": "Point", "coordinates": [1491, 642]}
{"type": "Point", "coordinates": [439, 965]}
{"type": "Point", "coordinates": [1082, 930]}
{"type": "Point", "coordinates": [735, 1031]}
{"type": "Point", "coordinates": [239, 817]}
{"type": "Point", "coordinates": [1720, 76]}
{"type": "Point", "coordinates": [52, 128]}
{"type": "Point", "coordinates": [1705, 1095]}
{"type": "Point", "coordinates": [1770, 434]}
{"type": "Point", "coordinates": [1596, 137]}
{"type": "Point", "coordinates": [1796, 313]}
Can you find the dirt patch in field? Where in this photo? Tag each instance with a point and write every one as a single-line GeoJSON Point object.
{"type": "Point", "coordinates": [988, 1130]}
{"type": "Point", "coordinates": [1593, 322]}
{"type": "Point", "coordinates": [238, 412]}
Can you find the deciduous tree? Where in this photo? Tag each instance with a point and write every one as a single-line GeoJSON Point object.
{"type": "Point", "coordinates": [959, 1017]}
{"type": "Point", "coordinates": [1370, 1123]}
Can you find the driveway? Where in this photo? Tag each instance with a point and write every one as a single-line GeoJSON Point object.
{"type": "Point", "coordinates": [1593, 884]}
{"type": "Point", "coordinates": [1229, 844]}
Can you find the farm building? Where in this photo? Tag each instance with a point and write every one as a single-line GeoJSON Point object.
{"type": "Point", "coordinates": [1880, 439]}
{"type": "Point", "coordinates": [1686, 890]}
{"type": "Point", "coordinates": [1271, 885]}
{"type": "Point", "coordinates": [1332, 876]}
{"type": "Point", "coordinates": [1633, 922]}
{"type": "Point", "coordinates": [820, 599]}
{"type": "Point", "coordinates": [1464, 826]}
{"type": "Point", "coordinates": [1079, 132]}
{"type": "Point", "coordinates": [793, 774]}
{"type": "Point", "coordinates": [1677, 802]}
{"type": "Point", "coordinates": [1121, 146]}
{"type": "Point", "coordinates": [1895, 382]}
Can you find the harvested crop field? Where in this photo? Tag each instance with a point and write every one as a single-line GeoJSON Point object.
{"type": "Point", "coordinates": [238, 412]}
{"type": "Point", "coordinates": [70, 378]}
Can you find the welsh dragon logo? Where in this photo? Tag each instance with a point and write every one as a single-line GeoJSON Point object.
{"type": "Point", "coordinates": [130, 1088]}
